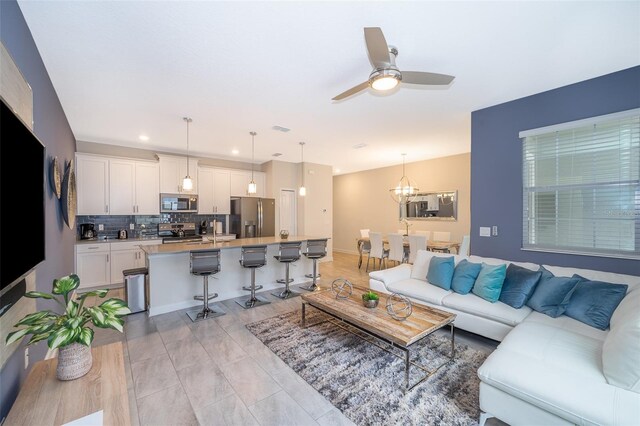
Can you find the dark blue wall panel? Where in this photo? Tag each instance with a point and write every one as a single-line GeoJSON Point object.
{"type": "Point", "coordinates": [52, 128]}
{"type": "Point", "coordinates": [496, 163]}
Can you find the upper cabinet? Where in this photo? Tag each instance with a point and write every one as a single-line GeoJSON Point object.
{"type": "Point", "coordinates": [92, 184]}
{"type": "Point", "coordinates": [240, 181]}
{"type": "Point", "coordinates": [213, 191]}
{"type": "Point", "coordinates": [173, 169]}
{"type": "Point", "coordinates": [117, 186]}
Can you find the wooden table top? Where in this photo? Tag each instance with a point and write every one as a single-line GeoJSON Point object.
{"type": "Point", "coordinates": [45, 400]}
{"type": "Point", "coordinates": [423, 321]}
{"type": "Point", "coordinates": [431, 244]}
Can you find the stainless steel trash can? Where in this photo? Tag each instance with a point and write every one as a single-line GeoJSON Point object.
{"type": "Point", "coordinates": [136, 289]}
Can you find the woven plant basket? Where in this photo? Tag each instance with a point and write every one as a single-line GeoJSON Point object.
{"type": "Point", "coordinates": [74, 361]}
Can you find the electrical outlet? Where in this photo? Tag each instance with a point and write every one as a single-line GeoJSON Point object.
{"type": "Point", "coordinates": [210, 224]}
{"type": "Point", "coordinates": [26, 358]}
{"type": "Point", "coordinates": [100, 227]}
{"type": "Point", "coordinates": [494, 230]}
{"type": "Point", "coordinates": [485, 231]}
{"type": "Point", "coordinates": [132, 226]}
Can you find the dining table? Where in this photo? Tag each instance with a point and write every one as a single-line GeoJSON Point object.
{"type": "Point", "coordinates": [432, 245]}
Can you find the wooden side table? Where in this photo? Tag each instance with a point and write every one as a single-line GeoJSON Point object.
{"type": "Point", "coordinates": [45, 400]}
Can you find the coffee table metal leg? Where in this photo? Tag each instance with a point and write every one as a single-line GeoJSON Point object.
{"type": "Point", "coordinates": [453, 346]}
{"type": "Point", "coordinates": [407, 365]}
{"type": "Point", "coordinates": [304, 321]}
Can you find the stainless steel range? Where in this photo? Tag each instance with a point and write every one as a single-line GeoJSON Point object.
{"type": "Point", "coordinates": [178, 233]}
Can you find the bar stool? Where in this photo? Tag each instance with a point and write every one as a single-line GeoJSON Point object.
{"type": "Point", "coordinates": [204, 263]}
{"type": "Point", "coordinates": [316, 249]}
{"type": "Point", "coordinates": [289, 252]}
{"type": "Point", "coordinates": [253, 257]}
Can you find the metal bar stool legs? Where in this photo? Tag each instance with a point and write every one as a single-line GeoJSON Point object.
{"type": "Point", "coordinates": [313, 286]}
{"type": "Point", "coordinates": [289, 252]}
{"type": "Point", "coordinates": [286, 293]}
{"type": "Point", "coordinates": [253, 257]}
{"type": "Point", "coordinates": [316, 249]}
{"type": "Point", "coordinates": [204, 263]}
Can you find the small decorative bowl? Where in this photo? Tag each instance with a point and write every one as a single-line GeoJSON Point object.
{"type": "Point", "coordinates": [284, 234]}
{"type": "Point", "coordinates": [369, 303]}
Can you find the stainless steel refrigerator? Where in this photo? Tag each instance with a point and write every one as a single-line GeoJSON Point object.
{"type": "Point", "coordinates": [253, 217]}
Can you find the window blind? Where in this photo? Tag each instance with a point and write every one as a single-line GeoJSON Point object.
{"type": "Point", "coordinates": [581, 188]}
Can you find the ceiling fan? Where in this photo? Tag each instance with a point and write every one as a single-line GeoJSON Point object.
{"type": "Point", "coordinates": [385, 74]}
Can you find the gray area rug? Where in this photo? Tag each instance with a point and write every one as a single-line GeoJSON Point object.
{"type": "Point", "coordinates": [363, 381]}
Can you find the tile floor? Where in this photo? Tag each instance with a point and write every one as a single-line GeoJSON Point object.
{"type": "Point", "coordinates": [216, 372]}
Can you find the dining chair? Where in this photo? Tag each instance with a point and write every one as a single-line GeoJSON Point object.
{"type": "Point", "coordinates": [363, 246]}
{"type": "Point", "coordinates": [464, 246]}
{"type": "Point", "coordinates": [416, 242]}
{"type": "Point", "coordinates": [377, 250]}
{"type": "Point", "coordinates": [425, 233]}
{"type": "Point", "coordinates": [396, 248]}
{"type": "Point", "coordinates": [441, 236]}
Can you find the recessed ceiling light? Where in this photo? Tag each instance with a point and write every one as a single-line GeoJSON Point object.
{"type": "Point", "coordinates": [235, 152]}
{"type": "Point", "coordinates": [276, 154]}
{"type": "Point", "coordinates": [280, 129]}
{"type": "Point", "coordinates": [360, 145]}
{"type": "Point", "coordinates": [143, 138]}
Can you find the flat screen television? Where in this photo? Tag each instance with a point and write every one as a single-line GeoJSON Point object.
{"type": "Point", "coordinates": [22, 198]}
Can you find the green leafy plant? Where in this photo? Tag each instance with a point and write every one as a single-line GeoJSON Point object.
{"type": "Point", "coordinates": [370, 296]}
{"type": "Point", "coordinates": [64, 329]}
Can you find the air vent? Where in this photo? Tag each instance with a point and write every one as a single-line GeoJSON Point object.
{"type": "Point", "coordinates": [359, 146]}
{"type": "Point", "coordinates": [280, 129]}
{"type": "Point", "coordinates": [276, 154]}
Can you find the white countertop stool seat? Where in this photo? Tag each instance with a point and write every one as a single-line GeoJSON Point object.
{"type": "Point", "coordinates": [289, 252]}
{"type": "Point", "coordinates": [316, 249]}
{"type": "Point", "coordinates": [204, 263]}
{"type": "Point", "coordinates": [253, 257]}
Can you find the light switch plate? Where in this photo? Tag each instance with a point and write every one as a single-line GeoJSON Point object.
{"type": "Point", "coordinates": [485, 231]}
{"type": "Point", "coordinates": [132, 226]}
{"type": "Point", "coordinates": [494, 230]}
{"type": "Point", "coordinates": [100, 227]}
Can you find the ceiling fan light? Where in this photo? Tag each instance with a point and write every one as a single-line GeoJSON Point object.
{"type": "Point", "coordinates": [385, 82]}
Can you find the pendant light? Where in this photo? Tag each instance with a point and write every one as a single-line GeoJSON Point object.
{"type": "Point", "coordinates": [187, 183]}
{"type": "Point", "coordinates": [302, 191]}
{"type": "Point", "coordinates": [405, 191]}
{"type": "Point", "coordinates": [252, 188]}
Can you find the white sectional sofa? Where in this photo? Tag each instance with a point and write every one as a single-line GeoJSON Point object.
{"type": "Point", "coordinates": [546, 371]}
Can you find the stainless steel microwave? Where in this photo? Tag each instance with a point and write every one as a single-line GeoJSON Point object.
{"type": "Point", "coordinates": [171, 203]}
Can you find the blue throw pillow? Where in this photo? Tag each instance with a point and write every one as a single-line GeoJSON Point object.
{"type": "Point", "coordinates": [519, 285]}
{"type": "Point", "coordinates": [489, 282]}
{"type": "Point", "coordinates": [552, 294]}
{"type": "Point", "coordinates": [464, 276]}
{"type": "Point", "coordinates": [593, 302]}
{"type": "Point", "coordinates": [441, 271]}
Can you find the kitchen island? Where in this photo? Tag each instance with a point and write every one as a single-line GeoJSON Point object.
{"type": "Point", "coordinates": [172, 287]}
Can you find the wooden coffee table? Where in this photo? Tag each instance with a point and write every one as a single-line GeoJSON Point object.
{"type": "Point", "coordinates": [377, 323]}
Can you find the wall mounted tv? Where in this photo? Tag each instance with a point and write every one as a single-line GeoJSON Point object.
{"type": "Point", "coordinates": [22, 197]}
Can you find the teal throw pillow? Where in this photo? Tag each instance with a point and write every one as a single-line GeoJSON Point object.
{"type": "Point", "coordinates": [593, 302]}
{"type": "Point", "coordinates": [441, 271]}
{"type": "Point", "coordinates": [489, 282]}
{"type": "Point", "coordinates": [464, 276]}
{"type": "Point", "coordinates": [519, 285]}
{"type": "Point", "coordinates": [551, 296]}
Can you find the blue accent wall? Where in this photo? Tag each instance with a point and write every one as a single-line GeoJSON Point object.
{"type": "Point", "coordinates": [496, 163]}
{"type": "Point", "coordinates": [53, 130]}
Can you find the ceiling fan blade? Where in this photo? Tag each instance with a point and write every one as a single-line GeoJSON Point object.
{"type": "Point", "coordinates": [377, 47]}
{"type": "Point", "coordinates": [360, 87]}
{"type": "Point", "coordinates": [432, 79]}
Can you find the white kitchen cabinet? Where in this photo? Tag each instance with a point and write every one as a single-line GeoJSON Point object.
{"type": "Point", "coordinates": [122, 176]}
{"type": "Point", "coordinates": [147, 188]}
{"type": "Point", "coordinates": [213, 191]}
{"type": "Point", "coordinates": [93, 264]}
{"type": "Point", "coordinates": [240, 182]}
{"type": "Point", "coordinates": [92, 185]}
{"type": "Point", "coordinates": [121, 260]}
{"type": "Point", "coordinates": [173, 169]}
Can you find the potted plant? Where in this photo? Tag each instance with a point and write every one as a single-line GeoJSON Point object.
{"type": "Point", "coordinates": [370, 299]}
{"type": "Point", "coordinates": [68, 331]}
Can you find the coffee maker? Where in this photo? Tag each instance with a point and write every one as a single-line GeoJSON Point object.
{"type": "Point", "coordinates": [203, 227]}
{"type": "Point", "coordinates": [87, 231]}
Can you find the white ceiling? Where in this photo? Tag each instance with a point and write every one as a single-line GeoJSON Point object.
{"type": "Point", "coordinates": [122, 69]}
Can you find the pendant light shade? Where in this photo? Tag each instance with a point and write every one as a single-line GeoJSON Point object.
{"type": "Point", "coordinates": [405, 191]}
{"type": "Point", "coordinates": [302, 191]}
{"type": "Point", "coordinates": [187, 182]}
{"type": "Point", "coordinates": [252, 188]}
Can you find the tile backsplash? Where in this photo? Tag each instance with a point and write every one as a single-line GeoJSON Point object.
{"type": "Point", "coordinates": [145, 225]}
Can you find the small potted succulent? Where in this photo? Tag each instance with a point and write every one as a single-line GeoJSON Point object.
{"type": "Point", "coordinates": [370, 299]}
{"type": "Point", "coordinates": [68, 331]}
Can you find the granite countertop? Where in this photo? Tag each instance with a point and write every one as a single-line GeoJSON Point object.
{"type": "Point", "coordinates": [187, 247]}
{"type": "Point", "coordinates": [101, 240]}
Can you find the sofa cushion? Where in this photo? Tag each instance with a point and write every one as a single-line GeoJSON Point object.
{"type": "Point", "coordinates": [559, 371]}
{"type": "Point", "coordinates": [494, 261]}
{"type": "Point", "coordinates": [621, 352]}
{"type": "Point", "coordinates": [421, 263]}
{"type": "Point", "coordinates": [464, 276]}
{"type": "Point", "coordinates": [568, 324]}
{"type": "Point", "coordinates": [474, 305]}
{"type": "Point", "coordinates": [519, 285]}
{"type": "Point", "coordinates": [489, 282]}
{"type": "Point", "coordinates": [420, 290]}
{"type": "Point", "coordinates": [440, 271]}
{"type": "Point", "coordinates": [593, 302]}
{"type": "Point", "coordinates": [633, 281]}
{"type": "Point", "coordinates": [629, 306]}
{"type": "Point", "coordinates": [552, 294]}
